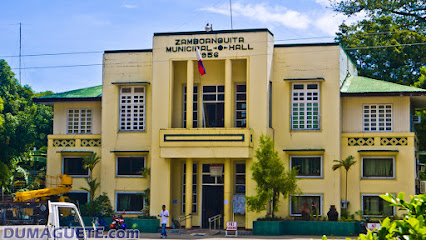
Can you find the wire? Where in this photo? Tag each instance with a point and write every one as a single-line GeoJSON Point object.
{"type": "Point", "coordinates": [386, 46]}
{"type": "Point", "coordinates": [52, 54]}
{"type": "Point", "coordinates": [278, 40]}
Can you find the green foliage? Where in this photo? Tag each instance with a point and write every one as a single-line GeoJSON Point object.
{"type": "Point", "coordinates": [25, 124]}
{"type": "Point", "coordinates": [93, 186]}
{"type": "Point", "coordinates": [4, 173]}
{"type": "Point", "coordinates": [411, 226]}
{"type": "Point", "coordinates": [1, 109]}
{"type": "Point", "coordinates": [406, 10]}
{"type": "Point", "coordinates": [271, 178]}
{"type": "Point", "coordinates": [385, 23]}
{"type": "Point", "coordinates": [89, 162]}
{"type": "Point", "coordinates": [395, 64]}
{"type": "Point", "coordinates": [346, 164]}
{"type": "Point", "coordinates": [101, 205]}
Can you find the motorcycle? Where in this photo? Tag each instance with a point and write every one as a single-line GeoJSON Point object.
{"type": "Point", "coordinates": [118, 223]}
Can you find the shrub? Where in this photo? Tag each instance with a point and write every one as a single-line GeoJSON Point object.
{"type": "Point", "coordinates": [100, 206]}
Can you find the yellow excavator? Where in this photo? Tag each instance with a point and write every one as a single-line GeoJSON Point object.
{"type": "Point", "coordinates": [59, 185]}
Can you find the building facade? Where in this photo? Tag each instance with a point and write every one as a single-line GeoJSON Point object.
{"type": "Point", "coordinates": [198, 133]}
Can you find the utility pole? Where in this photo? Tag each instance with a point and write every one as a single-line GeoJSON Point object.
{"type": "Point", "coordinates": [20, 50]}
{"type": "Point", "coordinates": [230, 9]}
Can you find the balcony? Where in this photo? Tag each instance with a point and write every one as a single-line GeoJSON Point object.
{"type": "Point", "coordinates": [206, 143]}
{"type": "Point", "coordinates": [379, 139]}
{"type": "Point", "coordinates": [74, 141]}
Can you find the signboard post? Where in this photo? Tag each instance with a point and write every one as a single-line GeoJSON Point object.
{"type": "Point", "coordinates": [231, 227]}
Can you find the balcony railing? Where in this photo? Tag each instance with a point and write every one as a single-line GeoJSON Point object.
{"type": "Point", "coordinates": [378, 139]}
{"type": "Point", "coordinates": [72, 141]}
{"type": "Point", "coordinates": [206, 142]}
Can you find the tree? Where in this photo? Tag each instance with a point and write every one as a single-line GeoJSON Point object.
{"type": "Point", "coordinates": [25, 124]}
{"type": "Point", "coordinates": [346, 164]}
{"type": "Point", "coordinates": [93, 186]}
{"type": "Point", "coordinates": [386, 23]}
{"type": "Point", "coordinates": [89, 162]}
{"type": "Point", "coordinates": [364, 43]}
{"type": "Point", "coordinates": [1, 109]}
{"type": "Point", "coordinates": [271, 177]}
{"type": "Point", "coordinates": [408, 10]}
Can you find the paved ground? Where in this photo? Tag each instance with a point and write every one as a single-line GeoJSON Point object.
{"type": "Point", "coordinates": [222, 236]}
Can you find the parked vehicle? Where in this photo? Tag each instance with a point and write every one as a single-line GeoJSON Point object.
{"type": "Point", "coordinates": [118, 223]}
{"type": "Point", "coordinates": [38, 220]}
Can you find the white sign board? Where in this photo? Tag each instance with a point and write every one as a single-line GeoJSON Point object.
{"type": "Point", "coordinates": [231, 226]}
{"type": "Point", "coordinates": [216, 170]}
{"type": "Point", "coordinates": [372, 226]}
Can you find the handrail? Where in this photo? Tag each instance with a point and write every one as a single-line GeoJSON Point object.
{"type": "Point", "coordinates": [181, 219]}
{"type": "Point", "coordinates": [214, 219]}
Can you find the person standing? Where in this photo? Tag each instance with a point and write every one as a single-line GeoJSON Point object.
{"type": "Point", "coordinates": [332, 215]}
{"type": "Point", "coordinates": [164, 217]}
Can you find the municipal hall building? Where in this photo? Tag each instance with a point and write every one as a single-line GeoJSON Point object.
{"type": "Point", "coordinates": [198, 133]}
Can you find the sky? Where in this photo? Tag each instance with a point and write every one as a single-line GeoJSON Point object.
{"type": "Point", "coordinates": [86, 28]}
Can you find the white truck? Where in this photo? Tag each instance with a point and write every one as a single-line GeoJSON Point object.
{"type": "Point", "coordinates": [35, 220]}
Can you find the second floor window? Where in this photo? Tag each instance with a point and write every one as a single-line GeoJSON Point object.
{"type": "Point", "coordinates": [305, 111]}
{"type": "Point", "coordinates": [132, 108]}
{"type": "Point", "coordinates": [73, 166]}
{"type": "Point", "coordinates": [377, 117]}
{"type": "Point", "coordinates": [130, 166]}
{"type": "Point", "coordinates": [214, 106]}
{"type": "Point", "coordinates": [241, 106]}
{"type": "Point", "coordinates": [79, 121]}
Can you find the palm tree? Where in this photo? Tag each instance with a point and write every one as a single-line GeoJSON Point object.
{"type": "Point", "coordinates": [93, 186]}
{"type": "Point", "coordinates": [89, 162]}
{"type": "Point", "coordinates": [346, 164]}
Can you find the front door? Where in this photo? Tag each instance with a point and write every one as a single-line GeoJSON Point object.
{"type": "Point", "coordinates": [212, 203]}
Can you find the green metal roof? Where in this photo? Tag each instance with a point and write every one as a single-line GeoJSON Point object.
{"type": "Point", "coordinates": [358, 84]}
{"type": "Point", "coordinates": [84, 94]}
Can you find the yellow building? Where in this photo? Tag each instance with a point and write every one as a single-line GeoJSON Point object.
{"type": "Point", "coordinates": [198, 134]}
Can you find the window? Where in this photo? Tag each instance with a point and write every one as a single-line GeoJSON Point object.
{"type": "Point", "coordinates": [305, 106]}
{"type": "Point", "coordinates": [194, 107]}
{"type": "Point", "coordinates": [129, 202]}
{"type": "Point", "coordinates": [208, 179]}
{"type": "Point", "coordinates": [194, 188]}
{"type": "Point", "coordinates": [73, 166]}
{"type": "Point", "coordinates": [213, 103]}
{"type": "Point", "coordinates": [310, 203]}
{"type": "Point", "coordinates": [79, 198]}
{"type": "Point", "coordinates": [132, 108]}
{"type": "Point", "coordinates": [307, 166]}
{"type": "Point", "coordinates": [378, 167]}
{"type": "Point", "coordinates": [241, 106]}
{"type": "Point", "coordinates": [377, 117]}
{"type": "Point", "coordinates": [240, 178]}
{"type": "Point", "coordinates": [68, 218]}
{"type": "Point", "coordinates": [130, 166]}
{"type": "Point", "coordinates": [374, 205]}
{"type": "Point", "coordinates": [79, 121]}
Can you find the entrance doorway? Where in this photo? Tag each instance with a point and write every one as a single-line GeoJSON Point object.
{"type": "Point", "coordinates": [212, 203]}
{"type": "Point", "coordinates": [212, 192]}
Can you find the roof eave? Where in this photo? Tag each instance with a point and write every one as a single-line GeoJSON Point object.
{"type": "Point", "coordinates": [49, 100]}
{"type": "Point", "coordinates": [382, 94]}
